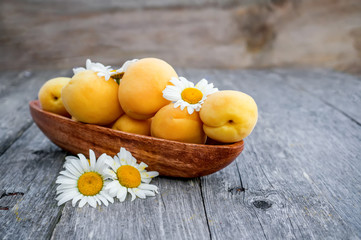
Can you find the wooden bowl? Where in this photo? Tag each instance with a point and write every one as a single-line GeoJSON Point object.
{"type": "Point", "coordinates": [169, 158]}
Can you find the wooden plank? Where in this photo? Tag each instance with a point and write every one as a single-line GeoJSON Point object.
{"type": "Point", "coordinates": [27, 187]}
{"type": "Point", "coordinates": [8, 79]}
{"type": "Point", "coordinates": [300, 167]}
{"type": "Point", "coordinates": [341, 91]}
{"type": "Point", "coordinates": [177, 213]}
{"type": "Point", "coordinates": [18, 90]}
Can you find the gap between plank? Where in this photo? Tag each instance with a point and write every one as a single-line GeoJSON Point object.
{"type": "Point", "coordinates": [204, 207]}
{"type": "Point", "coordinates": [58, 217]}
{"type": "Point", "coordinates": [19, 134]}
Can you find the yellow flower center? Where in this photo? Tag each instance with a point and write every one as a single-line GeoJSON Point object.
{"type": "Point", "coordinates": [192, 95]}
{"type": "Point", "coordinates": [128, 176]}
{"type": "Point", "coordinates": [90, 184]}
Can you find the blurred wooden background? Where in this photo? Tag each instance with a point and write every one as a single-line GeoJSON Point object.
{"type": "Point", "coordinates": [61, 34]}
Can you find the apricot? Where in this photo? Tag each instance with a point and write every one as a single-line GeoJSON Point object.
{"type": "Point", "coordinates": [228, 116]}
{"type": "Point", "coordinates": [128, 124]}
{"type": "Point", "coordinates": [178, 125]}
{"type": "Point", "coordinates": [50, 95]}
{"type": "Point", "coordinates": [140, 90]}
{"type": "Point", "coordinates": [91, 99]}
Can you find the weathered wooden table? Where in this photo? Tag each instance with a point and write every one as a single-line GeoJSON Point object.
{"type": "Point", "coordinates": [299, 176]}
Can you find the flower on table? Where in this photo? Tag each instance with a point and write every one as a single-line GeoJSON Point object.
{"type": "Point", "coordinates": [84, 180]}
{"type": "Point", "coordinates": [129, 177]}
{"type": "Point", "coordinates": [186, 95]}
{"type": "Point", "coordinates": [95, 181]}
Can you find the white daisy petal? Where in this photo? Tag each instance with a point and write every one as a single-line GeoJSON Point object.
{"type": "Point", "coordinates": [112, 163]}
{"type": "Point", "coordinates": [202, 84]}
{"type": "Point", "coordinates": [148, 193]}
{"type": "Point", "coordinates": [148, 187]}
{"type": "Point", "coordinates": [96, 197]}
{"type": "Point", "coordinates": [76, 199]}
{"type": "Point", "coordinates": [88, 64]}
{"type": "Point", "coordinates": [122, 194]}
{"type": "Point", "coordinates": [64, 187]}
{"type": "Point", "coordinates": [142, 166]}
{"type": "Point", "coordinates": [146, 180]}
{"type": "Point", "coordinates": [150, 174]}
{"type": "Point", "coordinates": [64, 198]}
{"type": "Point", "coordinates": [103, 199]}
{"type": "Point", "coordinates": [92, 202]}
{"type": "Point", "coordinates": [190, 110]}
{"type": "Point", "coordinates": [78, 70]}
{"type": "Point", "coordinates": [109, 173]}
{"type": "Point", "coordinates": [62, 179]}
{"type": "Point", "coordinates": [68, 174]}
{"type": "Point", "coordinates": [132, 193]}
{"type": "Point", "coordinates": [70, 167]}
{"type": "Point", "coordinates": [92, 157]}
{"type": "Point", "coordinates": [177, 104]}
{"type": "Point", "coordinates": [70, 158]}
{"type": "Point", "coordinates": [125, 66]}
{"type": "Point", "coordinates": [176, 82]}
{"type": "Point", "coordinates": [61, 194]}
{"type": "Point", "coordinates": [100, 164]}
{"type": "Point", "coordinates": [83, 201]}
{"type": "Point", "coordinates": [112, 188]}
{"type": "Point", "coordinates": [106, 196]}
{"type": "Point", "coordinates": [84, 162]}
{"type": "Point", "coordinates": [99, 68]}
{"type": "Point", "coordinates": [138, 192]}
{"type": "Point", "coordinates": [74, 161]}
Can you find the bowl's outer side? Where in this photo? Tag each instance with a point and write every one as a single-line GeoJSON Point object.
{"type": "Point", "coordinates": [169, 158]}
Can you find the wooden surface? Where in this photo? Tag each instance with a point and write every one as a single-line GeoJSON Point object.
{"type": "Point", "coordinates": [299, 176]}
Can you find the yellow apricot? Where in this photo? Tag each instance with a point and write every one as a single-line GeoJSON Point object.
{"type": "Point", "coordinates": [229, 116]}
{"type": "Point", "coordinates": [128, 124]}
{"type": "Point", "coordinates": [91, 99]}
{"type": "Point", "coordinates": [140, 90]}
{"type": "Point", "coordinates": [178, 125]}
{"type": "Point", "coordinates": [50, 95]}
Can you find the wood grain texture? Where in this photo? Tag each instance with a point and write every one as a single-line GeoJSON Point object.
{"type": "Point", "coordinates": [339, 90]}
{"type": "Point", "coordinates": [169, 158]}
{"type": "Point", "coordinates": [16, 90]}
{"type": "Point", "coordinates": [28, 170]}
{"type": "Point", "coordinates": [300, 170]}
{"type": "Point", "coordinates": [176, 213]}
{"type": "Point", "coordinates": [298, 177]}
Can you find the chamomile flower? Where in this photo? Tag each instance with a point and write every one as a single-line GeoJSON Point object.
{"type": "Point", "coordinates": [118, 73]}
{"type": "Point", "coordinates": [186, 95]}
{"type": "Point", "coordinates": [100, 69]}
{"type": "Point", "coordinates": [83, 180]}
{"type": "Point", "coordinates": [105, 71]}
{"type": "Point", "coordinates": [129, 177]}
